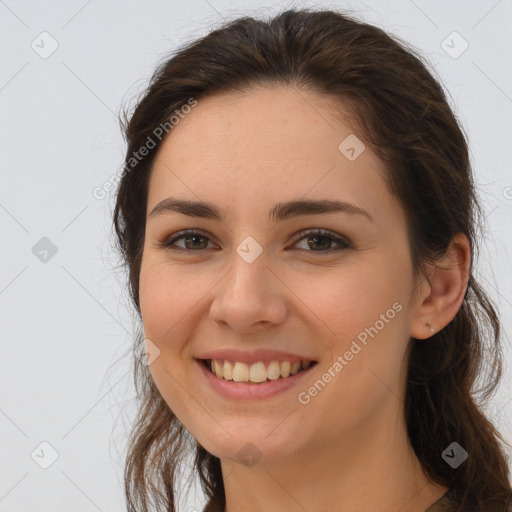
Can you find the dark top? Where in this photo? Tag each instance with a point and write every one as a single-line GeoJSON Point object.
{"type": "Point", "coordinates": [447, 503]}
{"type": "Point", "coordinates": [443, 504]}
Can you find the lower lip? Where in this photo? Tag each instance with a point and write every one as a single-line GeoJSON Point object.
{"type": "Point", "coordinates": [245, 391]}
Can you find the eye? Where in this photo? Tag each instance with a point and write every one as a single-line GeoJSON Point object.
{"type": "Point", "coordinates": [322, 238]}
{"type": "Point", "coordinates": [196, 241]}
{"type": "Point", "coordinates": [193, 240]}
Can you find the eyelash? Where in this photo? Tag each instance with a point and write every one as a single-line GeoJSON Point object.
{"type": "Point", "coordinates": [168, 244]}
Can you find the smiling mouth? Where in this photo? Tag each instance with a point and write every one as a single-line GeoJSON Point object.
{"type": "Point", "coordinates": [257, 373]}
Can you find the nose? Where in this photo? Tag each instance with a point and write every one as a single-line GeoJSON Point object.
{"type": "Point", "coordinates": [249, 298]}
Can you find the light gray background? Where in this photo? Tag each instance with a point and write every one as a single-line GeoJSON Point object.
{"type": "Point", "coordinates": [66, 323]}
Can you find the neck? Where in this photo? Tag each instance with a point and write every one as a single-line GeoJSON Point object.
{"type": "Point", "coordinates": [372, 468]}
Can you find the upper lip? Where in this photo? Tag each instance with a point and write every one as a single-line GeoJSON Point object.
{"type": "Point", "coordinates": [253, 356]}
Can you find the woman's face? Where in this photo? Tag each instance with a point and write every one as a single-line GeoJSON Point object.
{"type": "Point", "coordinates": [252, 282]}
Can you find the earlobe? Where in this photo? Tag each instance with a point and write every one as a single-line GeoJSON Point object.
{"type": "Point", "coordinates": [442, 294]}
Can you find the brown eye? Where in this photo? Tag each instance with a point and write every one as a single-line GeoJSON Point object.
{"type": "Point", "coordinates": [196, 241]}
{"type": "Point", "coordinates": [192, 241]}
{"type": "Point", "coordinates": [319, 240]}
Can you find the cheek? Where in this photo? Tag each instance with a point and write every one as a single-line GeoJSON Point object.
{"type": "Point", "coordinates": [364, 321]}
{"type": "Point", "coordinates": [166, 297]}
{"type": "Point", "coordinates": [352, 299]}
{"type": "Point", "coordinates": [165, 305]}
{"type": "Point", "coordinates": [367, 358]}
{"type": "Point", "coordinates": [166, 308]}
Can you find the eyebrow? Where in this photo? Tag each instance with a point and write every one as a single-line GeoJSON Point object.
{"type": "Point", "coordinates": [279, 212]}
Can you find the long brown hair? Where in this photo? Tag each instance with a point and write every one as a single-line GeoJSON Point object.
{"type": "Point", "coordinates": [401, 112]}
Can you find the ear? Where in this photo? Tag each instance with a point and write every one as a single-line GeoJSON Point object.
{"type": "Point", "coordinates": [442, 292]}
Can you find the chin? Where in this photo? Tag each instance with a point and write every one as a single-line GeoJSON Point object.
{"type": "Point", "coordinates": [251, 446]}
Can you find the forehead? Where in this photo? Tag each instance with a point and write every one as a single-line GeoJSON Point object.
{"type": "Point", "coordinates": [265, 145]}
{"type": "Point", "coordinates": [262, 120]}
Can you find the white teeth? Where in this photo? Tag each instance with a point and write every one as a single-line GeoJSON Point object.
{"type": "Point", "coordinates": [295, 367]}
{"type": "Point", "coordinates": [217, 368]}
{"type": "Point", "coordinates": [228, 370]}
{"type": "Point", "coordinates": [240, 372]}
{"type": "Point", "coordinates": [256, 372]}
{"type": "Point", "coordinates": [273, 370]}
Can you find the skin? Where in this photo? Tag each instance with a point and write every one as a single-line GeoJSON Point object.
{"type": "Point", "coordinates": [347, 449]}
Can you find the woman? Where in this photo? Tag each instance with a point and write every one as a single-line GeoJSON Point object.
{"type": "Point", "coordinates": [299, 222]}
